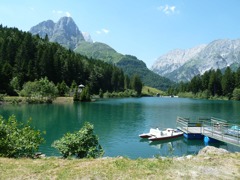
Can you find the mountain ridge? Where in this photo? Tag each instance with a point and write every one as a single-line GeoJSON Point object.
{"type": "Point", "coordinates": [218, 54]}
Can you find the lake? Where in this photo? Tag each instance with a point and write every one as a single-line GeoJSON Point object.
{"type": "Point", "coordinates": [118, 122]}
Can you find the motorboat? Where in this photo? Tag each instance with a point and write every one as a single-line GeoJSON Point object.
{"type": "Point", "coordinates": [152, 132]}
{"type": "Point", "coordinates": [169, 133]}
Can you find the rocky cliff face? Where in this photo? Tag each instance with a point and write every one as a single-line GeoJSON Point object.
{"type": "Point", "coordinates": [174, 60]}
{"type": "Point", "coordinates": [65, 32]}
{"type": "Point", "coordinates": [183, 65]}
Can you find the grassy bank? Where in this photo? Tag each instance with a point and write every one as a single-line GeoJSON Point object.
{"type": "Point", "coordinates": [22, 100]}
{"type": "Point", "coordinates": [146, 91]}
{"type": "Point", "coordinates": [221, 166]}
{"type": "Point", "coordinates": [149, 91]}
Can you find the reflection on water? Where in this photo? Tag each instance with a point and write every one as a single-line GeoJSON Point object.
{"type": "Point", "coordinates": [118, 122]}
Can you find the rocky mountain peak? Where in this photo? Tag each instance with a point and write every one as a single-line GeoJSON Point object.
{"type": "Point", "coordinates": [174, 59]}
{"type": "Point", "coordinates": [65, 32]}
{"type": "Point", "coordinates": [68, 26]}
{"type": "Point", "coordinates": [183, 65]}
{"type": "Point", "coordinates": [43, 28]}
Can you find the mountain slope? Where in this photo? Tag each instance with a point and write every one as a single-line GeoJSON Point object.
{"type": "Point", "coordinates": [131, 65]}
{"type": "Point", "coordinates": [216, 55]}
{"type": "Point", "coordinates": [98, 50]}
{"type": "Point", "coordinates": [174, 59]}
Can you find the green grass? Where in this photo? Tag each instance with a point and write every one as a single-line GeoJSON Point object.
{"type": "Point", "coordinates": [225, 166]}
{"type": "Point", "coordinates": [152, 91]}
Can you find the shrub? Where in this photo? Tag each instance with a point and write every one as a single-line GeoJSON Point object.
{"type": "Point", "coordinates": [81, 144]}
{"type": "Point", "coordinates": [236, 94]}
{"type": "Point", "coordinates": [18, 139]}
{"type": "Point", "coordinates": [2, 97]}
{"type": "Point", "coordinates": [39, 91]}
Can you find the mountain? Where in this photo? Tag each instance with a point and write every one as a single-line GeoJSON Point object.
{"type": "Point", "coordinates": [99, 51]}
{"type": "Point", "coordinates": [131, 65]}
{"type": "Point", "coordinates": [174, 60]}
{"type": "Point", "coordinates": [128, 63]}
{"type": "Point", "coordinates": [65, 32]}
{"type": "Point", "coordinates": [183, 65]}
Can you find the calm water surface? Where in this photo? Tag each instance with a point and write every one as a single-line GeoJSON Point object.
{"type": "Point", "coordinates": [118, 122]}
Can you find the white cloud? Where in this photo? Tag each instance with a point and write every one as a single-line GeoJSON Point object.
{"type": "Point", "coordinates": [106, 31]}
{"type": "Point", "coordinates": [103, 31]}
{"type": "Point", "coordinates": [68, 14]}
{"type": "Point", "coordinates": [61, 13]}
{"type": "Point", "coordinates": [166, 9]}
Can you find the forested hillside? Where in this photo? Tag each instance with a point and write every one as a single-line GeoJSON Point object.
{"type": "Point", "coordinates": [212, 84]}
{"type": "Point", "coordinates": [131, 65]}
{"type": "Point", "coordinates": [128, 63]}
{"type": "Point", "coordinates": [24, 57]}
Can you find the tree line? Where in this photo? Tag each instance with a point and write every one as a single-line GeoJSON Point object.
{"type": "Point", "coordinates": [213, 83]}
{"type": "Point", "coordinates": [24, 57]}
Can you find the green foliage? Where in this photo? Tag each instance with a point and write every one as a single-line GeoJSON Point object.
{"type": "Point", "coordinates": [228, 82]}
{"type": "Point", "coordinates": [24, 58]}
{"type": "Point", "coordinates": [149, 91]}
{"type": "Point", "coordinates": [126, 93]}
{"type": "Point", "coordinates": [42, 90]}
{"type": "Point", "coordinates": [18, 139]}
{"type": "Point", "coordinates": [15, 84]}
{"type": "Point", "coordinates": [213, 84]}
{"type": "Point", "coordinates": [99, 51]}
{"type": "Point", "coordinates": [236, 94]}
{"type": "Point", "coordinates": [136, 84]}
{"type": "Point", "coordinates": [2, 97]}
{"type": "Point", "coordinates": [63, 89]}
{"type": "Point", "coordinates": [131, 66]}
{"type": "Point", "coordinates": [82, 144]}
{"type": "Point", "coordinates": [85, 95]}
{"type": "Point", "coordinates": [100, 93]}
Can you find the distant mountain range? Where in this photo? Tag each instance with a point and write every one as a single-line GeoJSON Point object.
{"type": "Point", "coordinates": [182, 65]}
{"type": "Point", "coordinates": [67, 33]}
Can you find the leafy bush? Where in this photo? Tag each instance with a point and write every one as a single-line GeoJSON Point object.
{"type": "Point", "coordinates": [126, 93]}
{"type": "Point", "coordinates": [39, 91]}
{"type": "Point", "coordinates": [81, 144]}
{"type": "Point", "coordinates": [85, 94]}
{"type": "Point", "coordinates": [236, 94]}
{"type": "Point", "coordinates": [2, 97]}
{"type": "Point", "coordinates": [17, 139]}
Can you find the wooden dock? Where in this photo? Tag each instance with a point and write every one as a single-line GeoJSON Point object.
{"type": "Point", "coordinates": [210, 127]}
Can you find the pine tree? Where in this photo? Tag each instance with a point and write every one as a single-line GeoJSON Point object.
{"type": "Point", "coordinates": [228, 82]}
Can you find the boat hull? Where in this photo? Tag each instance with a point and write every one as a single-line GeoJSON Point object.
{"type": "Point", "coordinates": [151, 133]}
{"type": "Point", "coordinates": [145, 136]}
{"type": "Point", "coordinates": [161, 138]}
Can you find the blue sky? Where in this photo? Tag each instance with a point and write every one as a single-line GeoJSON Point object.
{"type": "Point", "coordinates": [143, 28]}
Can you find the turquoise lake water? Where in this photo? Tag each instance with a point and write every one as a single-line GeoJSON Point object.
{"type": "Point", "coordinates": [118, 122]}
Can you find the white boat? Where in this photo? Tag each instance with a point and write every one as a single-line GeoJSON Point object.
{"type": "Point", "coordinates": [151, 133]}
{"type": "Point", "coordinates": [169, 133]}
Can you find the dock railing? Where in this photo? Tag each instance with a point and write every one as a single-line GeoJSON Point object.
{"type": "Point", "coordinates": [221, 130]}
{"type": "Point", "coordinates": [186, 125]}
